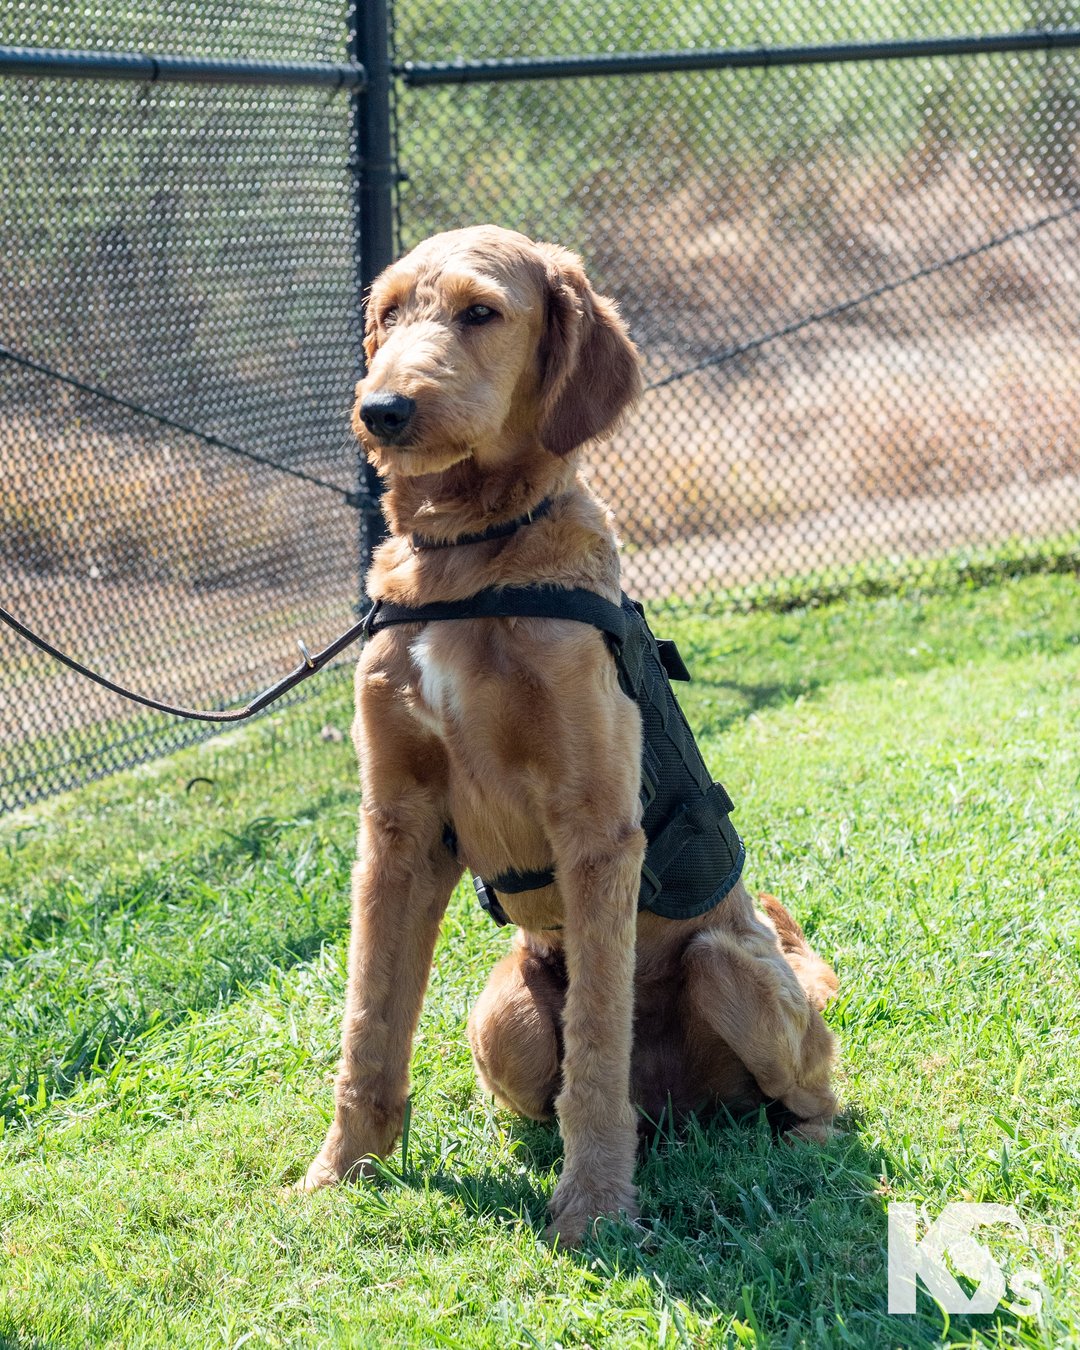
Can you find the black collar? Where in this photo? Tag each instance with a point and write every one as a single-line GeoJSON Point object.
{"type": "Point", "coordinates": [422, 543]}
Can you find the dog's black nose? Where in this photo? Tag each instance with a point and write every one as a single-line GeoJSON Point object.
{"type": "Point", "coordinates": [387, 415]}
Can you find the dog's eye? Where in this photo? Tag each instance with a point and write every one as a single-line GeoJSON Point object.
{"type": "Point", "coordinates": [388, 317]}
{"type": "Point", "coordinates": [476, 315]}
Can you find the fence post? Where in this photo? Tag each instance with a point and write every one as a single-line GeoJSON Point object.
{"type": "Point", "coordinates": [371, 164]}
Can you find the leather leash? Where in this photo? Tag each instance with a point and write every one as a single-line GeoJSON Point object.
{"type": "Point", "coordinates": [310, 664]}
{"type": "Point", "coordinates": [378, 615]}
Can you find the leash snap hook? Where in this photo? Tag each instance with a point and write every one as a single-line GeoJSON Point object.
{"type": "Point", "coordinates": [309, 660]}
{"type": "Point", "coordinates": [368, 621]}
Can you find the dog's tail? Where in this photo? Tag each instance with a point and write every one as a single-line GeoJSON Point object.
{"type": "Point", "coordinates": [816, 976]}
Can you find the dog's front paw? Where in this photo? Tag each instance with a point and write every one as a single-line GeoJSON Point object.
{"type": "Point", "coordinates": [316, 1177]}
{"type": "Point", "coordinates": [331, 1165]}
{"type": "Point", "coordinates": [576, 1205]}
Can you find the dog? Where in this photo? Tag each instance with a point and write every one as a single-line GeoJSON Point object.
{"type": "Point", "coordinates": [498, 743]}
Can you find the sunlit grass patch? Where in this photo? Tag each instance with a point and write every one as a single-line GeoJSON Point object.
{"type": "Point", "coordinates": [905, 774]}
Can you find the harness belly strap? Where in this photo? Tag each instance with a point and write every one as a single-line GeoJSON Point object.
{"type": "Point", "coordinates": [694, 855]}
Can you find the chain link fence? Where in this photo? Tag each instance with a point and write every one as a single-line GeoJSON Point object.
{"type": "Point", "coordinates": [177, 354]}
{"type": "Point", "coordinates": [853, 281]}
{"type": "Point", "coordinates": [846, 245]}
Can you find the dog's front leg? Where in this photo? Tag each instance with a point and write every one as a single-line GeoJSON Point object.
{"type": "Point", "coordinates": [401, 885]}
{"type": "Point", "coordinates": [599, 875]}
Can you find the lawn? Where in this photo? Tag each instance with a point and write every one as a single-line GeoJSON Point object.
{"type": "Point", "coordinates": [906, 773]}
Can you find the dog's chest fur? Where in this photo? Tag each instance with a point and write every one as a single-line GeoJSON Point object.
{"type": "Point", "coordinates": [468, 690]}
{"type": "Point", "coordinates": [440, 703]}
{"type": "Point", "coordinates": [456, 696]}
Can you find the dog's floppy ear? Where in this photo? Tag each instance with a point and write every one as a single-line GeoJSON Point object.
{"type": "Point", "coordinates": [371, 327]}
{"type": "Point", "coordinates": [590, 373]}
{"type": "Point", "coordinates": [376, 302]}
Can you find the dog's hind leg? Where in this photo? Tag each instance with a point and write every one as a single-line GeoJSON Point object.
{"type": "Point", "coordinates": [740, 988]}
{"type": "Point", "coordinates": [816, 976]}
{"type": "Point", "coordinates": [515, 1031]}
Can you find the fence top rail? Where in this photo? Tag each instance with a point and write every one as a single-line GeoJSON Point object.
{"type": "Point", "coordinates": [144, 68]}
{"type": "Point", "coordinates": [418, 73]}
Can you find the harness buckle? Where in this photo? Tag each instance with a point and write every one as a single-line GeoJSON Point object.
{"type": "Point", "coordinates": [489, 902]}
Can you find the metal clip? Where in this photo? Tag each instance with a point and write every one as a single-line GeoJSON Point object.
{"type": "Point", "coordinates": [308, 661]}
{"type": "Point", "coordinates": [368, 621]}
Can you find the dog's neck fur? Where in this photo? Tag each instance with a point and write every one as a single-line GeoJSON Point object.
{"type": "Point", "coordinates": [468, 498]}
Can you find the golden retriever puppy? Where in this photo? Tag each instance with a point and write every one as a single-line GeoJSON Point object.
{"type": "Point", "coordinates": [506, 744]}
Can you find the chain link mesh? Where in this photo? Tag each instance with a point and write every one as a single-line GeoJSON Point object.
{"type": "Point", "coordinates": [276, 30]}
{"type": "Point", "coordinates": [853, 286]}
{"type": "Point", "coordinates": [185, 250]}
{"type": "Point", "coordinates": [875, 264]}
{"type": "Point", "coordinates": [450, 30]}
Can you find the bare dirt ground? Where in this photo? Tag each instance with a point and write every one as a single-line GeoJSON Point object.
{"type": "Point", "coordinates": [905, 530]}
{"type": "Point", "coordinates": [964, 380]}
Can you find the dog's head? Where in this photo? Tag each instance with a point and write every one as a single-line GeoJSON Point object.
{"type": "Point", "coordinates": [481, 343]}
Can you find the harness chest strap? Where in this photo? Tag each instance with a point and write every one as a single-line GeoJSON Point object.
{"type": "Point", "coordinates": [660, 853]}
{"type": "Point", "coordinates": [525, 602]}
{"type": "Point", "coordinates": [694, 855]}
{"type": "Point", "coordinates": [509, 602]}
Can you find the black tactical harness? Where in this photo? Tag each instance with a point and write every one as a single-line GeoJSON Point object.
{"type": "Point", "coordinates": [693, 856]}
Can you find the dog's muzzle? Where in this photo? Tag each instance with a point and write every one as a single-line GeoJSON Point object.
{"type": "Point", "coordinates": [387, 416]}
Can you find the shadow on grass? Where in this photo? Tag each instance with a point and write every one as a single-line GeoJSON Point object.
{"type": "Point", "coordinates": [790, 1239]}
{"type": "Point", "coordinates": [755, 697]}
{"type": "Point", "coordinates": [13, 1339]}
{"type": "Point", "coordinates": [745, 700]}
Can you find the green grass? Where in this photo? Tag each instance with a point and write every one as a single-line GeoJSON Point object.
{"type": "Point", "coordinates": [907, 776]}
{"type": "Point", "coordinates": [954, 569]}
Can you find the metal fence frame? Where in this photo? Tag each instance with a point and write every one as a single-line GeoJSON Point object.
{"type": "Point", "coordinates": [370, 79]}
